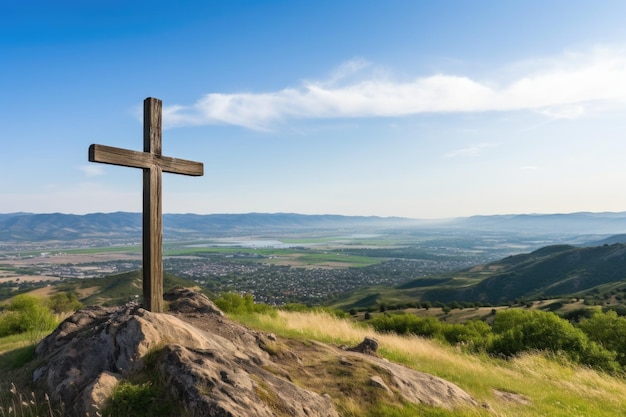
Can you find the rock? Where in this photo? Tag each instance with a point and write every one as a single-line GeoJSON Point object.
{"type": "Point", "coordinates": [413, 386]}
{"type": "Point", "coordinates": [378, 382]}
{"type": "Point", "coordinates": [91, 351]}
{"type": "Point", "coordinates": [369, 346]}
{"type": "Point", "coordinates": [214, 366]}
{"type": "Point", "coordinates": [184, 300]}
{"type": "Point", "coordinates": [98, 391]}
{"type": "Point", "coordinates": [420, 388]}
{"type": "Point", "coordinates": [214, 384]}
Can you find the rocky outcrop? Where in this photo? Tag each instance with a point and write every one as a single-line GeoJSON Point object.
{"type": "Point", "coordinates": [213, 366]}
{"type": "Point", "coordinates": [368, 346]}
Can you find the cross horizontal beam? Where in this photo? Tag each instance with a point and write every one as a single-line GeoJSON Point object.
{"type": "Point", "coordinates": [135, 159]}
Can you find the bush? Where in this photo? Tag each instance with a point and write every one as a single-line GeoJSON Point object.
{"type": "Point", "coordinates": [64, 302]}
{"type": "Point", "coordinates": [407, 324]}
{"type": "Point", "coordinates": [475, 333]}
{"type": "Point", "coordinates": [609, 330]}
{"type": "Point", "coordinates": [233, 303]}
{"type": "Point", "coordinates": [26, 313]}
{"type": "Point", "coordinates": [517, 331]}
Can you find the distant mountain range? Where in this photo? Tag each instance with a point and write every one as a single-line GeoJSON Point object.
{"type": "Point", "coordinates": [20, 227]}
{"type": "Point", "coordinates": [24, 227]}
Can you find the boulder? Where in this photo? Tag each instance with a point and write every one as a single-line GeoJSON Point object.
{"type": "Point", "coordinates": [212, 365]}
{"type": "Point", "coordinates": [95, 348]}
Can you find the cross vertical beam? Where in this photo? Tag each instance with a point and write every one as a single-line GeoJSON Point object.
{"type": "Point", "coordinates": [152, 211]}
{"type": "Point", "coordinates": [153, 163]}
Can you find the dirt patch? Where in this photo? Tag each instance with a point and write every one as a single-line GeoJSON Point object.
{"type": "Point", "coordinates": [46, 291]}
{"type": "Point", "coordinates": [28, 278]}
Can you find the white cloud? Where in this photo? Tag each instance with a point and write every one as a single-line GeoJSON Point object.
{"type": "Point", "coordinates": [558, 87]}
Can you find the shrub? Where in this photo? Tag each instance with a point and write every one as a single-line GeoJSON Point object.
{"type": "Point", "coordinates": [233, 303]}
{"type": "Point", "coordinates": [517, 331]}
{"type": "Point", "coordinates": [26, 313]}
{"type": "Point", "coordinates": [407, 324]}
{"type": "Point", "coordinates": [64, 302]}
{"type": "Point", "coordinates": [475, 333]}
{"type": "Point", "coordinates": [609, 330]}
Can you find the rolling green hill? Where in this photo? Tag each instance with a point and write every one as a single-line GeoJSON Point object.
{"type": "Point", "coordinates": [552, 271]}
{"type": "Point", "coordinates": [549, 272]}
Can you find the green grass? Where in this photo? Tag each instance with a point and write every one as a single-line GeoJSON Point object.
{"type": "Point", "coordinates": [139, 399]}
{"type": "Point", "coordinates": [413, 410]}
{"type": "Point", "coordinates": [553, 386]}
{"type": "Point", "coordinates": [15, 351]}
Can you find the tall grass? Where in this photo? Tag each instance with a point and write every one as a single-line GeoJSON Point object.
{"type": "Point", "coordinates": [553, 385]}
{"type": "Point", "coordinates": [16, 404]}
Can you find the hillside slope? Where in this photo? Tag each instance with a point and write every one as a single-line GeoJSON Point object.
{"type": "Point", "coordinates": [548, 272]}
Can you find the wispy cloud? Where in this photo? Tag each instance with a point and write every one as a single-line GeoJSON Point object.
{"type": "Point", "coordinates": [470, 151]}
{"type": "Point", "coordinates": [558, 87]}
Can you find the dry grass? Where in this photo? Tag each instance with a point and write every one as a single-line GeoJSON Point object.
{"type": "Point", "coordinates": [554, 387]}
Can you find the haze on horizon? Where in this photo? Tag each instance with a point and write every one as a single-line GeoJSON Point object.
{"type": "Point", "coordinates": [429, 110]}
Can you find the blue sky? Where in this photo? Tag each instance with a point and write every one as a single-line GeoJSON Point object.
{"type": "Point", "coordinates": [422, 109]}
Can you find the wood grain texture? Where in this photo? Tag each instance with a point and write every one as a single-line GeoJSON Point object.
{"type": "Point", "coordinates": [152, 240]}
{"type": "Point", "coordinates": [136, 159]}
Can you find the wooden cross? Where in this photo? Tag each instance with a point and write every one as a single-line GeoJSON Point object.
{"type": "Point", "coordinates": [152, 163]}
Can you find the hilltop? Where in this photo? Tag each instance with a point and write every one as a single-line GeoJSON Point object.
{"type": "Point", "coordinates": [194, 361]}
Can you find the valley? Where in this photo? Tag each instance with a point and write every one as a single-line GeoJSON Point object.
{"type": "Point", "coordinates": [293, 269]}
{"type": "Point", "coordinates": [344, 262]}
